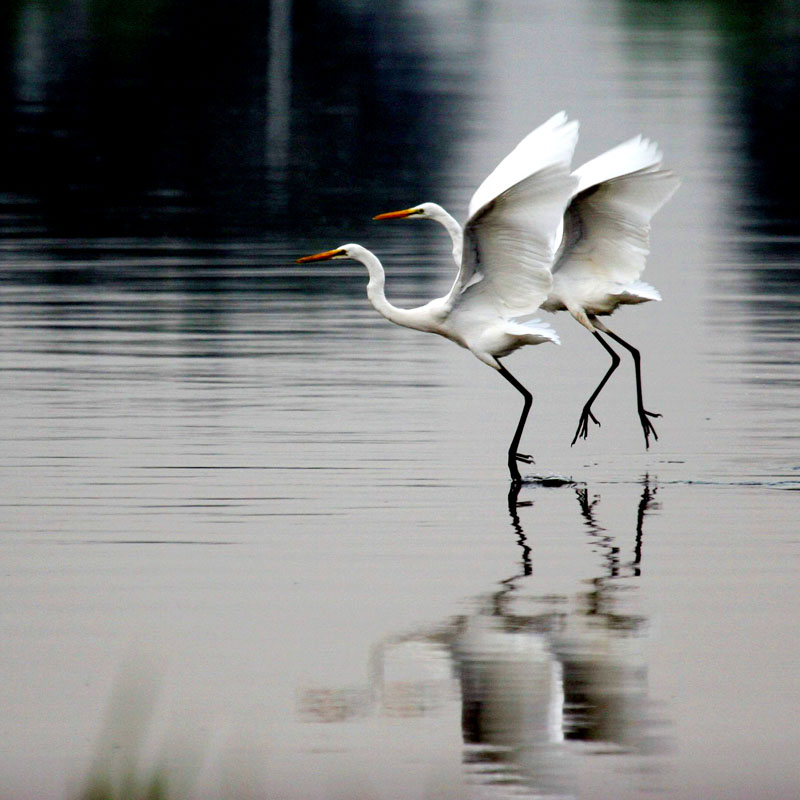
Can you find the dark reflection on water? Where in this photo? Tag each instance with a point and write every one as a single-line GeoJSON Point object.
{"type": "Point", "coordinates": [123, 299]}
{"type": "Point", "coordinates": [757, 272]}
{"type": "Point", "coordinates": [544, 677]}
{"type": "Point", "coordinates": [759, 51]}
{"type": "Point", "coordinates": [162, 120]}
{"type": "Point", "coordinates": [134, 119]}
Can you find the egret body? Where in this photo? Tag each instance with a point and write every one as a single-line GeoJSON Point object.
{"type": "Point", "coordinates": [603, 244]}
{"type": "Point", "coordinates": [509, 243]}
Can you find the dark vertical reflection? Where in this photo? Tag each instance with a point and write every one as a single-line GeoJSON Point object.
{"type": "Point", "coordinates": [514, 504]}
{"type": "Point", "coordinates": [162, 118]}
{"type": "Point", "coordinates": [147, 116]}
{"type": "Point", "coordinates": [371, 114]}
{"type": "Point", "coordinates": [759, 55]}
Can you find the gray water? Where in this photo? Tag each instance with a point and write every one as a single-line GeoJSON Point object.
{"type": "Point", "coordinates": [258, 541]}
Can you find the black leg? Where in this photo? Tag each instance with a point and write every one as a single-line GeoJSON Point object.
{"type": "Point", "coordinates": [644, 505]}
{"type": "Point", "coordinates": [586, 414]}
{"type": "Point", "coordinates": [513, 455]}
{"type": "Point", "coordinates": [647, 426]}
{"type": "Point", "coordinates": [513, 504]}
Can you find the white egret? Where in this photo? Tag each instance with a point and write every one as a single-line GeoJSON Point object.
{"type": "Point", "coordinates": [602, 252]}
{"type": "Point", "coordinates": [511, 241]}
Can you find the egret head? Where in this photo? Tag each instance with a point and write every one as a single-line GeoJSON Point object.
{"type": "Point", "coordinates": [423, 211]}
{"type": "Point", "coordinates": [344, 251]}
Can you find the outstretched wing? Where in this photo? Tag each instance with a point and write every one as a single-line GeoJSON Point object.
{"type": "Point", "coordinates": [631, 156]}
{"type": "Point", "coordinates": [510, 236]}
{"type": "Point", "coordinates": [607, 226]}
{"type": "Point", "coordinates": [551, 143]}
{"type": "Point", "coordinates": [509, 245]}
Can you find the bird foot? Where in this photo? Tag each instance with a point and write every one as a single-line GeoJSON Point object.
{"type": "Point", "coordinates": [583, 425]}
{"type": "Point", "coordinates": [647, 426]}
{"type": "Point", "coordinates": [516, 478]}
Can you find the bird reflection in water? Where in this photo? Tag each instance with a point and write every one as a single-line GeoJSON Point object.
{"type": "Point", "coordinates": [541, 689]}
{"type": "Point", "coordinates": [512, 698]}
{"type": "Point", "coordinates": [543, 679]}
{"type": "Point", "coordinates": [603, 671]}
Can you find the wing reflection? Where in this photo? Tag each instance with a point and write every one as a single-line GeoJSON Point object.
{"type": "Point", "coordinates": [543, 679]}
{"type": "Point", "coordinates": [533, 686]}
{"type": "Point", "coordinates": [605, 677]}
{"type": "Point", "coordinates": [512, 696]}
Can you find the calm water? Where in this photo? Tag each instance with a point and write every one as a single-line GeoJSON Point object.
{"type": "Point", "coordinates": [259, 541]}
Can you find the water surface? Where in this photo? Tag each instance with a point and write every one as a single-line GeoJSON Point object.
{"type": "Point", "coordinates": [257, 536]}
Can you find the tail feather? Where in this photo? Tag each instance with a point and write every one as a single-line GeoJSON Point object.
{"type": "Point", "coordinates": [641, 291]}
{"type": "Point", "coordinates": [537, 328]}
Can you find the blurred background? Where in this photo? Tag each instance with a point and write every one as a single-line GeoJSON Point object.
{"type": "Point", "coordinates": [250, 120]}
{"type": "Point", "coordinates": [258, 542]}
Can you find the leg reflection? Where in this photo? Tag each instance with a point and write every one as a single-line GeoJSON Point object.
{"type": "Point", "coordinates": [605, 676]}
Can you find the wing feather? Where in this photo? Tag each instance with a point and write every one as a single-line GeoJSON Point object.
{"type": "Point", "coordinates": [514, 216]}
{"type": "Point", "coordinates": [607, 227]}
{"type": "Point", "coordinates": [552, 142]}
{"type": "Point", "coordinates": [509, 244]}
{"type": "Point", "coordinates": [633, 155]}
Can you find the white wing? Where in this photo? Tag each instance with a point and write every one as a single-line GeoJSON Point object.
{"type": "Point", "coordinates": [552, 142]}
{"type": "Point", "coordinates": [631, 156]}
{"type": "Point", "coordinates": [607, 226]}
{"type": "Point", "coordinates": [509, 244]}
{"type": "Point", "coordinates": [509, 238]}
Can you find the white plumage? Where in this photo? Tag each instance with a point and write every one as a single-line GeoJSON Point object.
{"type": "Point", "coordinates": [553, 142]}
{"type": "Point", "coordinates": [509, 245]}
{"type": "Point", "coordinates": [603, 242]}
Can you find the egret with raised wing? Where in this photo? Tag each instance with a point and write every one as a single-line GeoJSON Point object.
{"type": "Point", "coordinates": [604, 242]}
{"type": "Point", "coordinates": [511, 238]}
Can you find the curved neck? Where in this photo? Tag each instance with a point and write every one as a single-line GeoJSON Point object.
{"type": "Point", "coordinates": [454, 229]}
{"type": "Point", "coordinates": [375, 291]}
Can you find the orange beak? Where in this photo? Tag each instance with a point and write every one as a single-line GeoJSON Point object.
{"type": "Point", "coordinates": [321, 256]}
{"type": "Point", "coordinates": [406, 212]}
